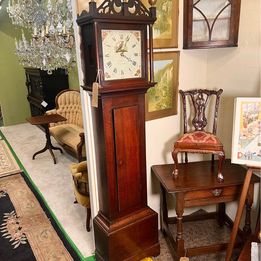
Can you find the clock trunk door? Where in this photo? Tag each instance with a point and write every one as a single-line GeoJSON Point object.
{"type": "Point", "coordinates": [127, 174]}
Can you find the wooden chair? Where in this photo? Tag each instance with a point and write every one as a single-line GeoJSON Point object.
{"type": "Point", "coordinates": [199, 140]}
{"type": "Point", "coordinates": [81, 188]}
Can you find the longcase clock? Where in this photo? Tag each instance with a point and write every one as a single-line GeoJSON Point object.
{"type": "Point", "coordinates": [117, 51]}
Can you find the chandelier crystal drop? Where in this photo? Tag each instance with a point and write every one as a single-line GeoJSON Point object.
{"type": "Point", "coordinates": [51, 43]}
{"type": "Point", "coordinates": [25, 13]}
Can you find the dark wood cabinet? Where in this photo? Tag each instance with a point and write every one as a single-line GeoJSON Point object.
{"type": "Point", "coordinates": [43, 87]}
{"type": "Point", "coordinates": [210, 23]}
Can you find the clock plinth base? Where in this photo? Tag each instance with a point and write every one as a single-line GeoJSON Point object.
{"type": "Point", "coordinates": [130, 238]}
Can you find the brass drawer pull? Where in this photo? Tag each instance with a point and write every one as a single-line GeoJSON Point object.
{"type": "Point", "coordinates": [216, 192]}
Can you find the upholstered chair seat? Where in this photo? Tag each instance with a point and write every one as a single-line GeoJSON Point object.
{"type": "Point", "coordinates": [69, 133]}
{"type": "Point", "coordinates": [81, 188]}
{"type": "Point", "coordinates": [198, 141]}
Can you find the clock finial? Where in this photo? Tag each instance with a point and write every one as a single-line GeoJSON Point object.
{"type": "Point", "coordinates": [152, 2]}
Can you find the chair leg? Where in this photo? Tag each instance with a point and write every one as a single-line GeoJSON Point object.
{"type": "Point", "coordinates": [79, 149]}
{"type": "Point", "coordinates": [88, 219]}
{"type": "Point", "coordinates": [79, 156]}
{"type": "Point", "coordinates": [175, 158]}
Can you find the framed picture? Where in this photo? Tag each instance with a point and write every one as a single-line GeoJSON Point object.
{"type": "Point", "coordinates": [161, 100]}
{"type": "Point", "coordinates": [165, 29]}
{"type": "Point", "coordinates": [246, 141]}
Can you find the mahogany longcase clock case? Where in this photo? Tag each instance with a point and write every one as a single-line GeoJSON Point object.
{"type": "Point", "coordinates": [117, 48]}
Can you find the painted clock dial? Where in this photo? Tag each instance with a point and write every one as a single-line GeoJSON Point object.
{"type": "Point", "coordinates": [121, 53]}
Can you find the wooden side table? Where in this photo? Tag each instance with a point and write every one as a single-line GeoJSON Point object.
{"type": "Point", "coordinates": [44, 121]}
{"type": "Point", "coordinates": [197, 185]}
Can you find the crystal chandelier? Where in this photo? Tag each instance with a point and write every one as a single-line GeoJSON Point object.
{"type": "Point", "coordinates": [51, 42]}
{"type": "Point", "coordinates": [25, 13]}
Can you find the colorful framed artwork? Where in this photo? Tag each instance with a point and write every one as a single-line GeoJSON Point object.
{"type": "Point", "coordinates": [165, 29]}
{"type": "Point", "coordinates": [161, 100]}
{"type": "Point", "coordinates": [246, 141]}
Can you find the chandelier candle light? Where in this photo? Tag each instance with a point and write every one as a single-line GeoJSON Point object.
{"type": "Point", "coordinates": [51, 44]}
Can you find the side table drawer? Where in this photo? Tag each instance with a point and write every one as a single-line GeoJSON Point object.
{"type": "Point", "coordinates": [211, 196]}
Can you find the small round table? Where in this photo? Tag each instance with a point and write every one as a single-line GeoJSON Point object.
{"type": "Point", "coordinates": [44, 121]}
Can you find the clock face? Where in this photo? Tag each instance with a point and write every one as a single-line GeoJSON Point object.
{"type": "Point", "coordinates": [121, 54]}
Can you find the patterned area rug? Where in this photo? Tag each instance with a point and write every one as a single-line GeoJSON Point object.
{"type": "Point", "coordinates": [198, 233]}
{"type": "Point", "coordinates": [8, 164]}
{"type": "Point", "coordinates": [28, 230]}
{"type": "Point", "coordinates": [26, 233]}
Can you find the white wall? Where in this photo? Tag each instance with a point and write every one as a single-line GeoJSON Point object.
{"type": "Point", "coordinates": [236, 70]}
{"type": "Point", "coordinates": [161, 133]}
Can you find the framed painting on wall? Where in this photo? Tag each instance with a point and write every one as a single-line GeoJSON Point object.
{"type": "Point", "coordinates": [165, 29]}
{"type": "Point", "coordinates": [246, 139]}
{"type": "Point", "coordinates": [161, 100]}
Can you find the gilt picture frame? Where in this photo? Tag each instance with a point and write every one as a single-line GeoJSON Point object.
{"type": "Point", "coordinates": [161, 100]}
{"type": "Point", "coordinates": [165, 29]}
{"type": "Point", "coordinates": [246, 139]}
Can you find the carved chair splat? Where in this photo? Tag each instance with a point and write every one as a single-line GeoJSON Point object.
{"type": "Point", "coordinates": [199, 140]}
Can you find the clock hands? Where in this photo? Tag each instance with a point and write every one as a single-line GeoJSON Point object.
{"type": "Point", "coordinates": [122, 46]}
{"type": "Point", "coordinates": [126, 40]}
{"type": "Point", "coordinates": [129, 59]}
{"type": "Point", "coordinates": [119, 47]}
